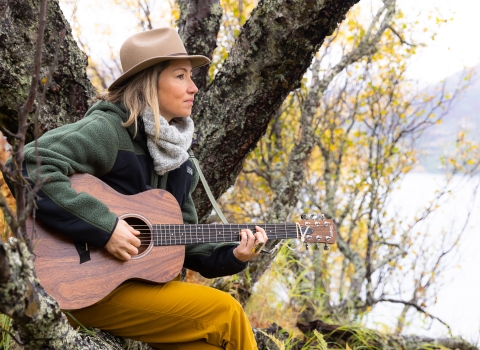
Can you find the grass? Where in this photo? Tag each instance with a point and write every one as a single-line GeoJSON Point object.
{"type": "Point", "coordinates": [6, 340]}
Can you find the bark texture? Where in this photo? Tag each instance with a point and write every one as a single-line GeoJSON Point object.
{"type": "Point", "coordinates": [271, 54]}
{"type": "Point", "coordinates": [38, 320]}
{"type": "Point", "coordinates": [69, 91]}
{"type": "Point", "coordinates": [198, 25]}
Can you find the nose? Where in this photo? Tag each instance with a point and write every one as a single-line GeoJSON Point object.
{"type": "Point", "coordinates": [192, 88]}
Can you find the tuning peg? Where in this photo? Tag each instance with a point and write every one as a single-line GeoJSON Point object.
{"type": "Point", "coordinates": [322, 216]}
{"type": "Point", "coordinates": [326, 247]}
{"type": "Point", "coordinates": [313, 216]}
{"type": "Point", "coordinates": [306, 246]}
{"type": "Point", "coordinates": [304, 216]}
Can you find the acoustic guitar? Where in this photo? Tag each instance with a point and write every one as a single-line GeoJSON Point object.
{"type": "Point", "coordinates": [158, 217]}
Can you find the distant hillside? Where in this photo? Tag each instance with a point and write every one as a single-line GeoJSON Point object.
{"type": "Point", "coordinates": [464, 115]}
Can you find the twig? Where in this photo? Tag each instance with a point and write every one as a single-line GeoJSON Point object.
{"type": "Point", "coordinates": [23, 124]}
{"type": "Point", "coordinates": [418, 308]}
{"type": "Point", "coordinates": [400, 37]}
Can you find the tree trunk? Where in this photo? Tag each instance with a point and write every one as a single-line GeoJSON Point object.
{"type": "Point", "coordinates": [68, 93]}
{"type": "Point", "coordinates": [268, 61]}
{"type": "Point", "coordinates": [198, 26]}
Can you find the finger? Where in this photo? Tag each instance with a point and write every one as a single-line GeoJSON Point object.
{"type": "Point", "coordinates": [132, 230]}
{"type": "Point", "coordinates": [259, 238]}
{"type": "Point", "coordinates": [243, 237]}
{"type": "Point", "coordinates": [122, 255]}
{"type": "Point", "coordinates": [263, 232]}
{"type": "Point", "coordinates": [135, 241]}
{"type": "Point", "coordinates": [131, 250]}
{"type": "Point", "coordinates": [251, 239]}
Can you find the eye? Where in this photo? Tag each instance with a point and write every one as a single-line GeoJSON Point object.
{"type": "Point", "coordinates": [181, 76]}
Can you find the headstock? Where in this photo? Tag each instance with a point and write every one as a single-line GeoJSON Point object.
{"type": "Point", "coordinates": [314, 229]}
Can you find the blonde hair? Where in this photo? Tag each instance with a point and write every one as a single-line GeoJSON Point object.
{"type": "Point", "coordinates": [141, 90]}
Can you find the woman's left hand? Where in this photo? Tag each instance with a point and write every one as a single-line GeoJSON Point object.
{"type": "Point", "coordinates": [250, 244]}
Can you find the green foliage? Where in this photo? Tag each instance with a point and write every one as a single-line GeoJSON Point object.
{"type": "Point", "coordinates": [365, 125]}
{"type": "Point", "coordinates": [6, 340]}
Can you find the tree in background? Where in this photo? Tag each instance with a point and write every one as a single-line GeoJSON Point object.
{"type": "Point", "coordinates": [340, 145]}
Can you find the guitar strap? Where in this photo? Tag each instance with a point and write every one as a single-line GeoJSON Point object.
{"type": "Point", "coordinates": [207, 188]}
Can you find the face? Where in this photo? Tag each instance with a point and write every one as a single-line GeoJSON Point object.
{"type": "Point", "coordinates": [176, 90]}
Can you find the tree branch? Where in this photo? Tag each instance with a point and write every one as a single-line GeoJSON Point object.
{"type": "Point", "coordinates": [198, 25]}
{"type": "Point", "coordinates": [266, 63]}
{"type": "Point", "coordinates": [415, 306]}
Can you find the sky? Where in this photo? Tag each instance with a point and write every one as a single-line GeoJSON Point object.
{"type": "Point", "coordinates": [456, 45]}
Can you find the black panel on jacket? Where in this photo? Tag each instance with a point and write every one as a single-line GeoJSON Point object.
{"type": "Point", "coordinates": [222, 262]}
{"type": "Point", "coordinates": [179, 182]}
{"type": "Point", "coordinates": [72, 226]}
{"type": "Point", "coordinates": [130, 173]}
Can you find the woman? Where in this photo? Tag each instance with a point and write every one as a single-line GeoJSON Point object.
{"type": "Point", "coordinates": [136, 138]}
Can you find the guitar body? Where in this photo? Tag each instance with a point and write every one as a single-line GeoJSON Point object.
{"type": "Point", "coordinates": [76, 285]}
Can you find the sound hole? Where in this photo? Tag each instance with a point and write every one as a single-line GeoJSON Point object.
{"type": "Point", "coordinates": [145, 234]}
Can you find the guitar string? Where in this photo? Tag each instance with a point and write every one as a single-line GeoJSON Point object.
{"type": "Point", "coordinates": [163, 232]}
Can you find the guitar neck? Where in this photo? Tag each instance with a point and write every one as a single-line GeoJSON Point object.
{"type": "Point", "coordinates": [174, 234]}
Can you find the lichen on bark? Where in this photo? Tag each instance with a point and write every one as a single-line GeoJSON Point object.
{"type": "Point", "coordinates": [270, 56]}
{"type": "Point", "coordinates": [68, 93]}
{"type": "Point", "coordinates": [37, 317]}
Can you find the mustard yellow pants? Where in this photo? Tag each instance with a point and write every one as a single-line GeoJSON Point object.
{"type": "Point", "coordinates": [175, 315]}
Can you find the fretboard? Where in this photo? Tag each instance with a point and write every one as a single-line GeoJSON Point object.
{"type": "Point", "coordinates": [173, 234]}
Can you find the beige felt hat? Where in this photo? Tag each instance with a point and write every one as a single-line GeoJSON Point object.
{"type": "Point", "coordinates": [148, 48]}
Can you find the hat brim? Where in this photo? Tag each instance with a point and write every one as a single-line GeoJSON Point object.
{"type": "Point", "coordinates": [196, 60]}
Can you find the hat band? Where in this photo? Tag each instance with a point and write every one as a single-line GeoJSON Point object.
{"type": "Point", "coordinates": [179, 54]}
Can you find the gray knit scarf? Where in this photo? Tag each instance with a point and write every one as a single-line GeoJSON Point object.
{"type": "Point", "coordinates": [170, 150]}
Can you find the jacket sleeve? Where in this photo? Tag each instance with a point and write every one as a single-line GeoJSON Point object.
{"type": "Point", "coordinates": [212, 259]}
{"type": "Point", "coordinates": [87, 146]}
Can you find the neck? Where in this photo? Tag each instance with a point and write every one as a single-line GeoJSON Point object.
{"type": "Point", "coordinates": [173, 234]}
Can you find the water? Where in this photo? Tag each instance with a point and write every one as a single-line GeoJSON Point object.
{"type": "Point", "coordinates": [458, 302]}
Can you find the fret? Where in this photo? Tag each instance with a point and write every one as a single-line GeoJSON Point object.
{"type": "Point", "coordinates": [160, 236]}
{"type": "Point", "coordinates": [238, 232]}
{"type": "Point", "coordinates": [164, 235]}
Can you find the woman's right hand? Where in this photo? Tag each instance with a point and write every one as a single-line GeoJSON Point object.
{"type": "Point", "coordinates": [123, 243]}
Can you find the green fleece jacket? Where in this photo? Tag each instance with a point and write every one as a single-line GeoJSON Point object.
{"type": "Point", "coordinates": [99, 145]}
